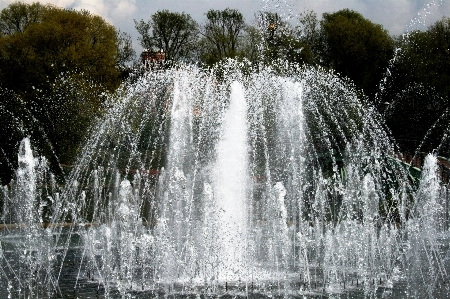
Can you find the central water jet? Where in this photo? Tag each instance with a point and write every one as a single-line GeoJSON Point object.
{"type": "Point", "coordinates": [231, 186]}
{"type": "Point", "coordinates": [281, 183]}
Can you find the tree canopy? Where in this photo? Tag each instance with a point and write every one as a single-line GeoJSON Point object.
{"type": "Point", "coordinates": [281, 40]}
{"type": "Point", "coordinates": [45, 51]}
{"type": "Point", "coordinates": [356, 48]}
{"type": "Point", "coordinates": [61, 40]}
{"type": "Point", "coordinates": [418, 89]}
{"type": "Point", "coordinates": [221, 35]}
{"type": "Point", "coordinates": [125, 51]}
{"type": "Point", "coordinates": [174, 33]}
{"type": "Point", "coordinates": [17, 17]}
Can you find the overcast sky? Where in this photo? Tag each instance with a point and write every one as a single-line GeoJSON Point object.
{"type": "Point", "coordinates": [397, 16]}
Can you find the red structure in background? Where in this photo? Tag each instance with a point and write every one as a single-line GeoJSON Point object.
{"type": "Point", "coordinates": [153, 60]}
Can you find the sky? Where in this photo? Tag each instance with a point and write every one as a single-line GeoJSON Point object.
{"type": "Point", "coordinates": [396, 16]}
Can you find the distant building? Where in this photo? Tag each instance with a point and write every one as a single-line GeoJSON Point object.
{"type": "Point", "coordinates": [153, 60]}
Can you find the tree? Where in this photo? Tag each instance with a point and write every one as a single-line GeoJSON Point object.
{"type": "Point", "coordinates": [174, 33]}
{"type": "Point", "coordinates": [251, 44]}
{"type": "Point", "coordinates": [45, 52]}
{"type": "Point", "coordinates": [356, 48]}
{"type": "Point", "coordinates": [125, 51]}
{"type": "Point", "coordinates": [425, 57]}
{"type": "Point", "coordinates": [309, 33]}
{"type": "Point", "coordinates": [418, 90]}
{"type": "Point", "coordinates": [63, 40]}
{"type": "Point", "coordinates": [126, 55]}
{"type": "Point", "coordinates": [17, 17]}
{"type": "Point", "coordinates": [281, 39]}
{"type": "Point", "coordinates": [221, 35]}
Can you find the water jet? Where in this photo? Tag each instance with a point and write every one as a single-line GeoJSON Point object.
{"type": "Point", "coordinates": [201, 184]}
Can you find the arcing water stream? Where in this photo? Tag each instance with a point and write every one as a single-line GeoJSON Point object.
{"type": "Point", "coordinates": [243, 181]}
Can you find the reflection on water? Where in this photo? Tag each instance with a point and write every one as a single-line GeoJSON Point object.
{"type": "Point", "coordinates": [78, 280]}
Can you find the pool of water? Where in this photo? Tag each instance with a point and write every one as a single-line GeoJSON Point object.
{"type": "Point", "coordinates": [73, 277]}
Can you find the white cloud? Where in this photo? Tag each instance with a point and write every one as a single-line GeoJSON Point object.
{"type": "Point", "coordinates": [111, 10]}
{"type": "Point", "coordinates": [124, 9]}
{"type": "Point", "coordinates": [397, 16]}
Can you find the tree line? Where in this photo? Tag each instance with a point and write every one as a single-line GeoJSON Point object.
{"type": "Point", "coordinates": [57, 65]}
{"type": "Point", "coordinates": [344, 41]}
{"type": "Point", "coordinates": [406, 77]}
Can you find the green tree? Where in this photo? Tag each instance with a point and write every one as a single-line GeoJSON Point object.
{"type": "Point", "coordinates": [125, 51]}
{"type": "Point", "coordinates": [418, 90]}
{"type": "Point", "coordinates": [251, 44]}
{"type": "Point", "coordinates": [57, 63]}
{"type": "Point", "coordinates": [356, 48]}
{"type": "Point", "coordinates": [18, 16]}
{"type": "Point", "coordinates": [63, 40]}
{"type": "Point", "coordinates": [281, 40]}
{"type": "Point", "coordinates": [309, 33]}
{"type": "Point", "coordinates": [174, 33]}
{"type": "Point", "coordinates": [126, 55]}
{"type": "Point", "coordinates": [425, 57]}
{"type": "Point", "coordinates": [221, 35]}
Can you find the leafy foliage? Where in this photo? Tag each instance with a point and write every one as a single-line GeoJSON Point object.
{"type": "Point", "coordinates": [125, 51]}
{"type": "Point", "coordinates": [57, 63]}
{"type": "Point", "coordinates": [281, 40]}
{"type": "Point", "coordinates": [17, 17]}
{"type": "Point", "coordinates": [221, 35]}
{"type": "Point", "coordinates": [309, 32]}
{"type": "Point", "coordinates": [63, 40]}
{"type": "Point", "coordinates": [174, 33]}
{"type": "Point", "coordinates": [418, 90]}
{"type": "Point", "coordinates": [356, 48]}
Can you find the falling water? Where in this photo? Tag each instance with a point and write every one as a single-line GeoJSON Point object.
{"type": "Point", "coordinates": [231, 181]}
{"type": "Point", "coordinates": [238, 180]}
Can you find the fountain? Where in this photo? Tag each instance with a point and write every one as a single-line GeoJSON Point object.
{"type": "Point", "coordinates": [242, 181]}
